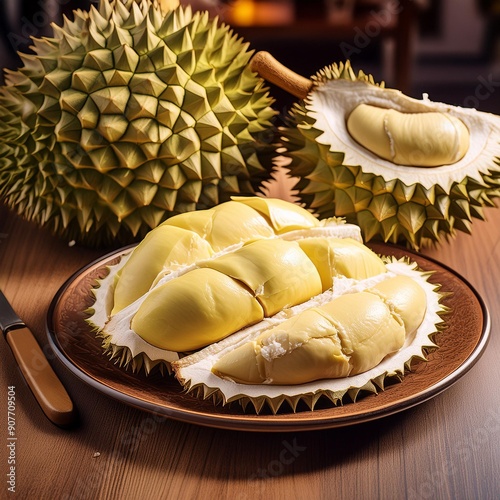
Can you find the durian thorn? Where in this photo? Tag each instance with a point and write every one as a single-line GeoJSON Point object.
{"type": "Point", "coordinates": [265, 65]}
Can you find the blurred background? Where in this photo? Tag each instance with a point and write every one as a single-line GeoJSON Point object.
{"type": "Point", "coordinates": [449, 49]}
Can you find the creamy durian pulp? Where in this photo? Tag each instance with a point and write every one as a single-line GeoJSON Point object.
{"type": "Point", "coordinates": [172, 256]}
{"type": "Point", "coordinates": [425, 139]}
{"type": "Point", "coordinates": [345, 336]}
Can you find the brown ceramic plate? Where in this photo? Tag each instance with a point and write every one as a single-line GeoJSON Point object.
{"type": "Point", "coordinates": [461, 344]}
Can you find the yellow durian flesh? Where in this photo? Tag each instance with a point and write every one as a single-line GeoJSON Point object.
{"type": "Point", "coordinates": [304, 348]}
{"type": "Point", "coordinates": [367, 329]}
{"type": "Point", "coordinates": [224, 225]}
{"type": "Point", "coordinates": [405, 297]}
{"type": "Point", "coordinates": [226, 294]}
{"type": "Point", "coordinates": [194, 310]}
{"type": "Point", "coordinates": [194, 236]}
{"type": "Point", "coordinates": [282, 215]}
{"type": "Point", "coordinates": [426, 139]}
{"type": "Point", "coordinates": [277, 272]}
{"type": "Point", "coordinates": [341, 256]}
{"type": "Point", "coordinates": [165, 247]}
{"type": "Point", "coordinates": [344, 337]}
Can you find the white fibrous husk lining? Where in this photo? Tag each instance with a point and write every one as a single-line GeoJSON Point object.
{"type": "Point", "coordinates": [128, 349]}
{"type": "Point", "coordinates": [332, 102]}
{"type": "Point", "coordinates": [194, 371]}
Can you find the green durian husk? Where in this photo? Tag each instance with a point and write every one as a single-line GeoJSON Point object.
{"type": "Point", "coordinates": [394, 203]}
{"type": "Point", "coordinates": [125, 116]}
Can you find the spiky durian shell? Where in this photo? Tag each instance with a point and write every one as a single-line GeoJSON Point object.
{"type": "Point", "coordinates": [389, 210]}
{"type": "Point", "coordinates": [127, 116]}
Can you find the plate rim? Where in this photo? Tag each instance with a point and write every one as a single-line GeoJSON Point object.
{"type": "Point", "coordinates": [277, 423]}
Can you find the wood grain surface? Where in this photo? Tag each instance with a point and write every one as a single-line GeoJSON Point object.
{"type": "Point", "coordinates": [444, 448]}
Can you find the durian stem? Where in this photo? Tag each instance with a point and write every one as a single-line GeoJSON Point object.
{"type": "Point", "coordinates": [264, 64]}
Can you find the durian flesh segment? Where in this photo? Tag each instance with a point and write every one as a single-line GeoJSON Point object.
{"type": "Point", "coordinates": [405, 297]}
{"type": "Point", "coordinates": [225, 294]}
{"type": "Point", "coordinates": [304, 348]}
{"type": "Point", "coordinates": [344, 337]}
{"type": "Point", "coordinates": [367, 329]}
{"type": "Point", "coordinates": [224, 225]}
{"type": "Point", "coordinates": [201, 234]}
{"type": "Point", "coordinates": [341, 257]}
{"type": "Point", "coordinates": [283, 216]}
{"type": "Point", "coordinates": [277, 272]}
{"type": "Point", "coordinates": [427, 139]}
{"type": "Point", "coordinates": [163, 248]}
{"type": "Point", "coordinates": [194, 310]}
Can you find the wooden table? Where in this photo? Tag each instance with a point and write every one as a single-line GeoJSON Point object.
{"type": "Point", "coordinates": [447, 447]}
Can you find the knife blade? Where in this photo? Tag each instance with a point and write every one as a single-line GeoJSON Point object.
{"type": "Point", "coordinates": [39, 375]}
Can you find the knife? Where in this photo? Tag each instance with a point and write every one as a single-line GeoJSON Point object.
{"type": "Point", "coordinates": [41, 378]}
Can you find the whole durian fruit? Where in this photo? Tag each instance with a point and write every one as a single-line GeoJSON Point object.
{"type": "Point", "coordinates": [128, 115]}
{"type": "Point", "coordinates": [405, 170]}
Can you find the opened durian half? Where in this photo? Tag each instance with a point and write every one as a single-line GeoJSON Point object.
{"type": "Point", "coordinates": [127, 115]}
{"type": "Point", "coordinates": [257, 300]}
{"type": "Point", "coordinates": [405, 170]}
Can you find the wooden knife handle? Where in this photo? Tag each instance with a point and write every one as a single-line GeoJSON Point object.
{"type": "Point", "coordinates": [41, 378]}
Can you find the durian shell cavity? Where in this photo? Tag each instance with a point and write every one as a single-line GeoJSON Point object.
{"type": "Point", "coordinates": [407, 171]}
{"type": "Point", "coordinates": [345, 341]}
{"type": "Point", "coordinates": [332, 103]}
{"type": "Point", "coordinates": [283, 301]}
